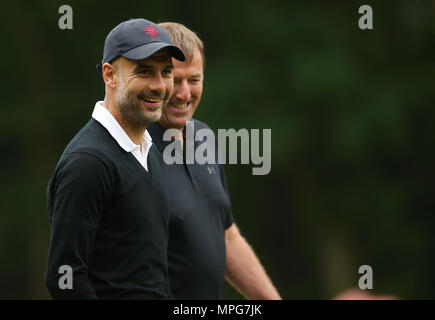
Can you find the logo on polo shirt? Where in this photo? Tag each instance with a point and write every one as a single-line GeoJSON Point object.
{"type": "Point", "coordinates": [151, 31]}
{"type": "Point", "coordinates": [211, 170]}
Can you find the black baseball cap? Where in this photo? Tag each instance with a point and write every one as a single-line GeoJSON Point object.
{"type": "Point", "coordinates": [137, 39]}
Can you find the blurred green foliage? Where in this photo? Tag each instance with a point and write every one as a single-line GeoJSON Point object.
{"type": "Point", "coordinates": [351, 114]}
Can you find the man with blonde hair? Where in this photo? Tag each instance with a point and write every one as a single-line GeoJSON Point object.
{"type": "Point", "coordinates": [205, 245]}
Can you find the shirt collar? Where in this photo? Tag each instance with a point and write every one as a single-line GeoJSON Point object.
{"type": "Point", "coordinates": [157, 131]}
{"type": "Point", "coordinates": [103, 116]}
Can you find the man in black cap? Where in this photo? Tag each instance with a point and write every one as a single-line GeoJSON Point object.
{"type": "Point", "coordinates": [107, 199]}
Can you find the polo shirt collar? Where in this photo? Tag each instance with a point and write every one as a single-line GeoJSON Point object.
{"type": "Point", "coordinates": [103, 116]}
{"type": "Point", "coordinates": [157, 131]}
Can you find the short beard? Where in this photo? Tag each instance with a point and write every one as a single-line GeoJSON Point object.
{"type": "Point", "coordinates": [130, 108]}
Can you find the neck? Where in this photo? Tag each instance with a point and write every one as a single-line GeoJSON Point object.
{"type": "Point", "coordinates": [135, 133]}
{"type": "Point", "coordinates": [179, 135]}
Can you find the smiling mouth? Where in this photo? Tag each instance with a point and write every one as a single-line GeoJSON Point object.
{"type": "Point", "coordinates": [152, 100]}
{"type": "Point", "coordinates": [152, 104]}
{"type": "Point", "coordinates": [180, 106]}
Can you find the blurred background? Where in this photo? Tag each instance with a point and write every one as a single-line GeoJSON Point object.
{"type": "Point", "coordinates": [351, 113]}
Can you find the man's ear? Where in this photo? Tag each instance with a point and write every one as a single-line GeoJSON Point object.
{"type": "Point", "coordinates": [110, 75]}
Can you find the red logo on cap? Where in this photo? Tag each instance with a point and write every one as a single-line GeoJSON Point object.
{"type": "Point", "coordinates": [151, 31]}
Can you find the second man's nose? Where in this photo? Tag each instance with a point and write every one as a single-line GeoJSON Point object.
{"type": "Point", "coordinates": [182, 91]}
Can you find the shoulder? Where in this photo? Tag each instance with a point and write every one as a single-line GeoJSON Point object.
{"type": "Point", "coordinates": [200, 125]}
{"type": "Point", "coordinates": [93, 141]}
{"type": "Point", "coordinates": [83, 172]}
{"type": "Point", "coordinates": [89, 157]}
{"type": "Point", "coordinates": [82, 165]}
{"type": "Point", "coordinates": [204, 128]}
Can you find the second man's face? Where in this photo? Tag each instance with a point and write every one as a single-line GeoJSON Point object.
{"type": "Point", "coordinates": [185, 98]}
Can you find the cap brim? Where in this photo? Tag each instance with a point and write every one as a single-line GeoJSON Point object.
{"type": "Point", "coordinates": [147, 50]}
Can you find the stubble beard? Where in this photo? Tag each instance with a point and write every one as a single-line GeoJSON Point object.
{"type": "Point", "coordinates": [130, 108]}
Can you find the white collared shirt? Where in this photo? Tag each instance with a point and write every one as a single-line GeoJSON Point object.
{"type": "Point", "coordinates": [140, 152]}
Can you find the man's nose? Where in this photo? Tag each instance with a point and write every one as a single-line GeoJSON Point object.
{"type": "Point", "coordinates": [157, 84]}
{"type": "Point", "coordinates": [182, 91]}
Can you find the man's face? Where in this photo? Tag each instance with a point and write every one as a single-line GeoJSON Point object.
{"type": "Point", "coordinates": [188, 78]}
{"type": "Point", "coordinates": [144, 87]}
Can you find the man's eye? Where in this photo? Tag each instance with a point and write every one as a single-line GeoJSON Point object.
{"type": "Point", "coordinates": [167, 72]}
{"type": "Point", "coordinates": [144, 71]}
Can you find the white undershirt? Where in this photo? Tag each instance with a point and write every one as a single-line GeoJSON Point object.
{"type": "Point", "coordinates": [140, 152]}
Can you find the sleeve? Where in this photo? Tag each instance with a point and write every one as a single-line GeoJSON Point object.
{"type": "Point", "coordinates": [229, 220]}
{"type": "Point", "coordinates": [80, 189]}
